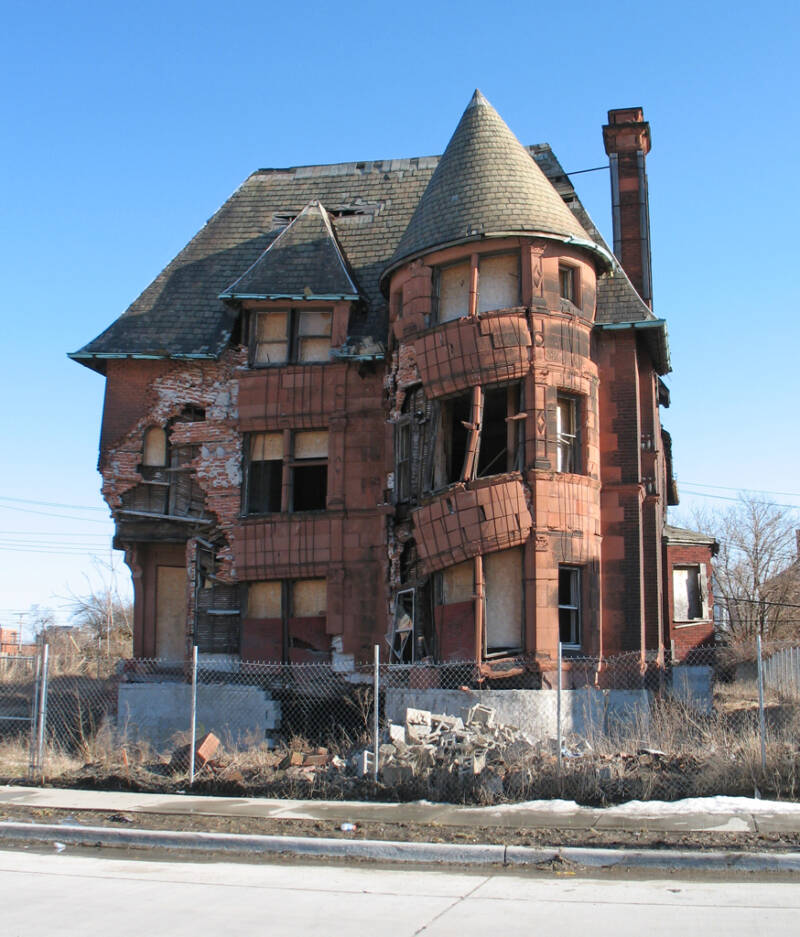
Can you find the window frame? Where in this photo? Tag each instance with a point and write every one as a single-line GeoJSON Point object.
{"type": "Point", "coordinates": [473, 264]}
{"type": "Point", "coordinates": [293, 337]}
{"type": "Point", "coordinates": [700, 572]}
{"type": "Point", "coordinates": [574, 607]}
{"type": "Point", "coordinates": [289, 463]}
{"type": "Point", "coordinates": [569, 444]}
{"type": "Point", "coordinates": [569, 283]}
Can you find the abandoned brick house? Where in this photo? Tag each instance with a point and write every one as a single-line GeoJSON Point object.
{"type": "Point", "coordinates": [411, 402]}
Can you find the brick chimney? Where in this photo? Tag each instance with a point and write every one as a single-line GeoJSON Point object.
{"type": "Point", "coordinates": [627, 141]}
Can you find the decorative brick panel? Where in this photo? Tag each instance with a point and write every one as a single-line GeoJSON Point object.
{"type": "Point", "coordinates": [467, 520]}
{"type": "Point", "coordinates": [469, 351]}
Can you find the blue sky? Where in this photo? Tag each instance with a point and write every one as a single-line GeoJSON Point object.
{"type": "Point", "coordinates": [127, 126]}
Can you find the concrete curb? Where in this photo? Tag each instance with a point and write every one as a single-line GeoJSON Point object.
{"type": "Point", "coordinates": [390, 851]}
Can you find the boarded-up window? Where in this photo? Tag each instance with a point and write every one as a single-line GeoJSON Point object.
{"type": "Point", "coordinates": [309, 598]}
{"type": "Point", "coordinates": [503, 575]}
{"type": "Point", "coordinates": [498, 282]}
{"type": "Point", "coordinates": [313, 336]}
{"type": "Point", "coordinates": [286, 335]}
{"type": "Point", "coordinates": [264, 600]}
{"type": "Point", "coordinates": [155, 447]}
{"type": "Point", "coordinates": [170, 612]}
{"type": "Point", "coordinates": [271, 341]}
{"type": "Point", "coordinates": [687, 592]}
{"type": "Point", "coordinates": [453, 293]}
{"type": "Point", "coordinates": [264, 473]}
{"type": "Point", "coordinates": [457, 583]}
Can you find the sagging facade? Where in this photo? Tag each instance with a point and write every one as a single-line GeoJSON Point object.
{"type": "Point", "coordinates": [412, 403]}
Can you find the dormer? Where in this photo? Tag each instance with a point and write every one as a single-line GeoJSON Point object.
{"type": "Point", "coordinates": [296, 298]}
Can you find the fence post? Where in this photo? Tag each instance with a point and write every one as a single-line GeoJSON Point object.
{"type": "Point", "coordinates": [193, 727]}
{"type": "Point", "coordinates": [376, 705]}
{"type": "Point", "coordinates": [42, 711]}
{"type": "Point", "coordinates": [558, 713]}
{"type": "Point", "coordinates": [35, 717]}
{"type": "Point", "coordinates": [761, 719]}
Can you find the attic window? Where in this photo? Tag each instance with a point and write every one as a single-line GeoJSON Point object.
{"type": "Point", "coordinates": [291, 335]}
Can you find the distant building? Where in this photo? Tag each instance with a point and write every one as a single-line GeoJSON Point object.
{"type": "Point", "coordinates": [409, 402]}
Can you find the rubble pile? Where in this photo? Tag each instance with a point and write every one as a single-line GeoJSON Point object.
{"type": "Point", "coordinates": [467, 748]}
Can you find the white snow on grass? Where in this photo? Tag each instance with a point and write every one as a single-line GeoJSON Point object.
{"type": "Point", "coordinates": [733, 806]}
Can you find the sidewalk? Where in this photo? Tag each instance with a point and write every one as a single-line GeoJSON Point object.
{"type": "Point", "coordinates": [722, 815]}
{"type": "Point", "coordinates": [711, 814]}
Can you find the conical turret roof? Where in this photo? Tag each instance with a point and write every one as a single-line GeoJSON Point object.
{"type": "Point", "coordinates": [486, 184]}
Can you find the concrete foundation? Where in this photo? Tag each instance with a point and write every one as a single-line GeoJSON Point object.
{"type": "Point", "coordinates": [694, 686]}
{"type": "Point", "coordinates": [584, 712]}
{"type": "Point", "coordinates": [157, 712]}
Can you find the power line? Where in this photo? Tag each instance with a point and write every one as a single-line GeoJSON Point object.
{"type": "Point", "coordinates": [761, 491]}
{"type": "Point", "coordinates": [53, 504]}
{"type": "Point", "coordinates": [69, 517]}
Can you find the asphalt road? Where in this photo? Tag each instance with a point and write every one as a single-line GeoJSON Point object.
{"type": "Point", "coordinates": [79, 893]}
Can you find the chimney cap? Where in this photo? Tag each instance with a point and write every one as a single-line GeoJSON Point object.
{"type": "Point", "coordinates": [626, 131]}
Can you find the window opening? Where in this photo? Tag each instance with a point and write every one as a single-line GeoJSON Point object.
{"type": "Point", "coordinates": [402, 642]}
{"type": "Point", "coordinates": [569, 606]}
{"type": "Point", "coordinates": [501, 431]}
{"type": "Point", "coordinates": [567, 434]}
{"type": "Point", "coordinates": [217, 625]}
{"type": "Point", "coordinates": [503, 602]}
{"type": "Point", "coordinates": [498, 282]}
{"type": "Point", "coordinates": [309, 471]}
{"type": "Point", "coordinates": [688, 594]}
{"type": "Point", "coordinates": [452, 291]}
{"type": "Point", "coordinates": [291, 335]}
{"type": "Point", "coordinates": [265, 473]}
{"type": "Point", "coordinates": [566, 282]}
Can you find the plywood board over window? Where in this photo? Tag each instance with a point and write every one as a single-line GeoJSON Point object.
{"type": "Point", "coordinates": [498, 283]}
{"type": "Point", "coordinates": [457, 583]}
{"type": "Point", "coordinates": [271, 338]}
{"type": "Point", "coordinates": [155, 447]}
{"type": "Point", "coordinates": [454, 291]}
{"type": "Point", "coordinates": [309, 598]}
{"type": "Point", "coordinates": [504, 606]}
{"type": "Point", "coordinates": [170, 613]}
{"type": "Point", "coordinates": [264, 600]}
{"type": "Point", "coordinates": [313, 336]}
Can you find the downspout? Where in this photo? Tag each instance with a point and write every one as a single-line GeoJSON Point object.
{"type": "Point", "coordinates": [480, 595]}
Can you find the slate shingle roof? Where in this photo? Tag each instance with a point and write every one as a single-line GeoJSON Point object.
{"type": "Point", "coordinates": [303, 262]}
{"type": "Point", "coordinates": [485, 184]}
{"type": "Point", "coordinates": [371, 204]}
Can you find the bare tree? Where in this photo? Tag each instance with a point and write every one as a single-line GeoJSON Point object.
{"type": "Point", "coordinates": [756, 574]}
{"type": "Point", "coordinates": [104, 621]}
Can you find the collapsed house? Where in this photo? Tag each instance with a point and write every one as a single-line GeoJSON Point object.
{"type": "Point", "coordinates": [410, 402]}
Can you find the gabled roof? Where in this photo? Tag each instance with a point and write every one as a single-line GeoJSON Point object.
{"type": "Point", "coordinates": [485, 185]}
{"type": "Point", "coordinates": [304, 262]}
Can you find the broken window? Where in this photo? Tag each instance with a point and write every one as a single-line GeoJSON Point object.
{"type": "Point", "coordinates": [478, 434]}
{"type": "Point", "coordinates": [502, 573]}
{"type": "Point", "coordinates": [502, 431]}
{"type": "Point", "coordinates": [265, 473]}
{"type": "Point", "coordinates": [309, 470]}
{"type": "Point", "coordinates": [291, 335]}
{"type": "Point", "coordinates": [567, 435]}
{"type": "Point", "coordinates": [569, 606]}
{"type": "Point", "coordinates": [567, 277]}
{"type": "Point", "coordinates": [688, 593]}
{"type": "Point", "coordinates": [273, 483]}
{"type": "Point", "coordinates": [402, 638]}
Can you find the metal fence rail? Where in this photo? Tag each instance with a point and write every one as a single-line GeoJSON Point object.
{"type": "Point", "coordinates": [593, 729]}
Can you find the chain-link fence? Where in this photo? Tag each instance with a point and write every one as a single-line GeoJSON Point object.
{"type": "Point", "coordinates": [597, 730]}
